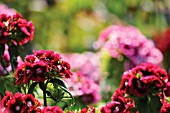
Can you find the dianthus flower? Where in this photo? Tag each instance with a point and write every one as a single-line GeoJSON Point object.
{"type": "Point", "coordinates": [41, 65]}
{"type": "Point", "coordinates": [129, 42]}
{"type": "Point", "coordinates": [120, 103]}
{"type": "Point", "coordinates": [15, 29]}
{"type": "Point", "coordinates": [162, 40]}
{"type": "Point", "coordinates": [144, 79]}
{"type": "Point", "coordinates": [87, 63]}
{"type": "Point", "coordinates": [165, 107]}
{"type": "Point", "coordinates": [4, 9]}
{"type": "Point", "coordinates": [20, 103]}
{"type": "Point", "coordinates": [83, 87]}
{"type": "Point", "coordinates": [53, 109]}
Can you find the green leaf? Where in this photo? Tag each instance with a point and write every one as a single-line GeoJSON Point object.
{"type": "Point", "coordinates": [67, 91]}
{"type": "Point", "coordinates": [8, 83]}
{"type": "Point", "coordinates": [59, 87]}
{"type": "Point", "coordinates": [59, 82]}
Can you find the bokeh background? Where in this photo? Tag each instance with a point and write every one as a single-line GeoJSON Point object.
{"type": "Point", "coordinates": [74, 25]}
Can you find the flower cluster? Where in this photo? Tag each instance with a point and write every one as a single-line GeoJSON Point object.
{"type": "Point", "coordinates": [85, 88]}
{"type": "Point", "coordinates": [4, 9]}
{"type": "Point", "coordinates": [90, 109]}
{"type": "Point", "coordinates": [162, 40]}
{"type": "Point", "coordinates": [144, 79]}
{"type": "Point", "coordinates": [129, 42]}
{"type": "Point", "coordinates": [19, 103]}
{"type": "Point", "coordinates": [87, 63]}
{"type": "Point", "coordinates": [40, 65]}
{"type": "Point", "coordinates": [85, 81]}
{"type": "Point", "coordinates": [52, 109]}
{"type": "Point", "coordinates": [15, 29]}
{"type": "Point", "coordinates": [165, 107]}
{"type": "Point", "coordinates": [119, 104]}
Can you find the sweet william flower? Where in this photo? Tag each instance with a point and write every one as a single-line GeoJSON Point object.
{"type": "Point", "coordinates": [165, 107]}
{"type": "Point", "coordinates": [40, 66]}
{"type": "Point", "coordinates": [14, 29]}
{"type": "Point", "coordinates": [52, 109]}
{"type": "Point", "coordinates": [129, 42]}
{"type": "Point", "coordinates": [20, 103]}
{"type": "Point", "coordinates": [7, 97]}
{"type": "Point", "coordinates": [144, 79]}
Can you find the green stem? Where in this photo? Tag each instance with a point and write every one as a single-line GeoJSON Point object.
{"type": "Point", "coordinates": [11, 59]}
{"type": "Point", "coordinates": [148, 104]}
{"type": "Point", "coordinates": [43, 87]}
{"type": "Point", "coordinates": [44, 97]}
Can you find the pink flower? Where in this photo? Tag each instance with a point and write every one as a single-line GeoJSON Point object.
{"type": "Point", "coordinates": [4, 9]}
{"type": "Point", "coordinates": [129, 42]}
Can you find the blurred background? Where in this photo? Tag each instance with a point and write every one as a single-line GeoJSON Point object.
{"type": "Point", "coordinates": [73, 26]}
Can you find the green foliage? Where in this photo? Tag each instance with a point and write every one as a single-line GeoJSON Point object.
{"type": "Point", "coordinates": [8, 83]}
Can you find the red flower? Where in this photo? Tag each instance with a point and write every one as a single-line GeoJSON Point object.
{"type": "Point", "coordinates": [143, 79]}
{"type": "Point", "coordinates": [53, 109]}
{"type": "Point", "coordinates": [15, 29]}
{"type": "Point", "coordinates": [15, 104]}
{"type": "Point", "coordinates": [31, 58]}
{"type": "Point", "coordinates": [7, 97]}
{"type": "Point", "coordinates": [39, 71]}
{"type": "Point", "coordinates": [19, 103]}
{"type": "Point", "coordinates": [24, 73]}
{"type": "Point", "coordinates": [165, 107]}
{"type": "Point", "coordinates": [45, 55]}
{"type": "Point", "coordinates": [30, 101]}
{"type": "Point", "coordinates": [167, 89]}
{"type": "Point", "coordinates": [162, 40]}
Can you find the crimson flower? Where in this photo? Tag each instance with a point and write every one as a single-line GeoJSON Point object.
{"type": "Point", "coordinates": [53, 109]}
{"type": "Point", "coordinates": [144, 79]}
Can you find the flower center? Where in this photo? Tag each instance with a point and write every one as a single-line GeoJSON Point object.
{"type": "Point", "coordinates": [17, 108]}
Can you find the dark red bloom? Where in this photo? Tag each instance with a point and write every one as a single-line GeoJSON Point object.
{"type": "Point", "coordinates": [15, 104]}
{"type": "Point", "coordinates": [31, 58]}
{"type": "Point", "coordinates": [53, 109]}
{"type": "Point", "coordinates": [165, 107]}
{"type": "Point", "coordinates": [30, 101]}
{"type": "Point", "coordinates": [40, 69]}
{"type": "Point", "coordinates": [162, 40]}
{"type": "Point", "coordinates": [167, 89]}
{"type": "Point", "coordinates": [15, 29]}
{"type": "Point", "coordinates": [7, 97]}
{"type": "Point", "coordinates": [40, 66]}
{"type": "Point", "coordinates": [19, 103]}
{"type": "Point", "coordinates": [45, 55]}
{"type": "Point", "coordinates": [24, 73]}
{"type": "Point", "coordinates": [144, 79]}
{"type": "Point", "coordinates": [119, 103]}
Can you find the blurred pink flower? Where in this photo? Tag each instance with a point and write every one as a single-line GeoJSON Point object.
{"type": "Point", "coordinates": [86, 74]}
{"type": "Point", "coordinates": [130, 42]}
{"type": "Point", "coordinates": [4, 9]}
{"type": "Point", "coordinates": [84, 87]}
{"type": "Point", "coordinates": [87, 63]}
